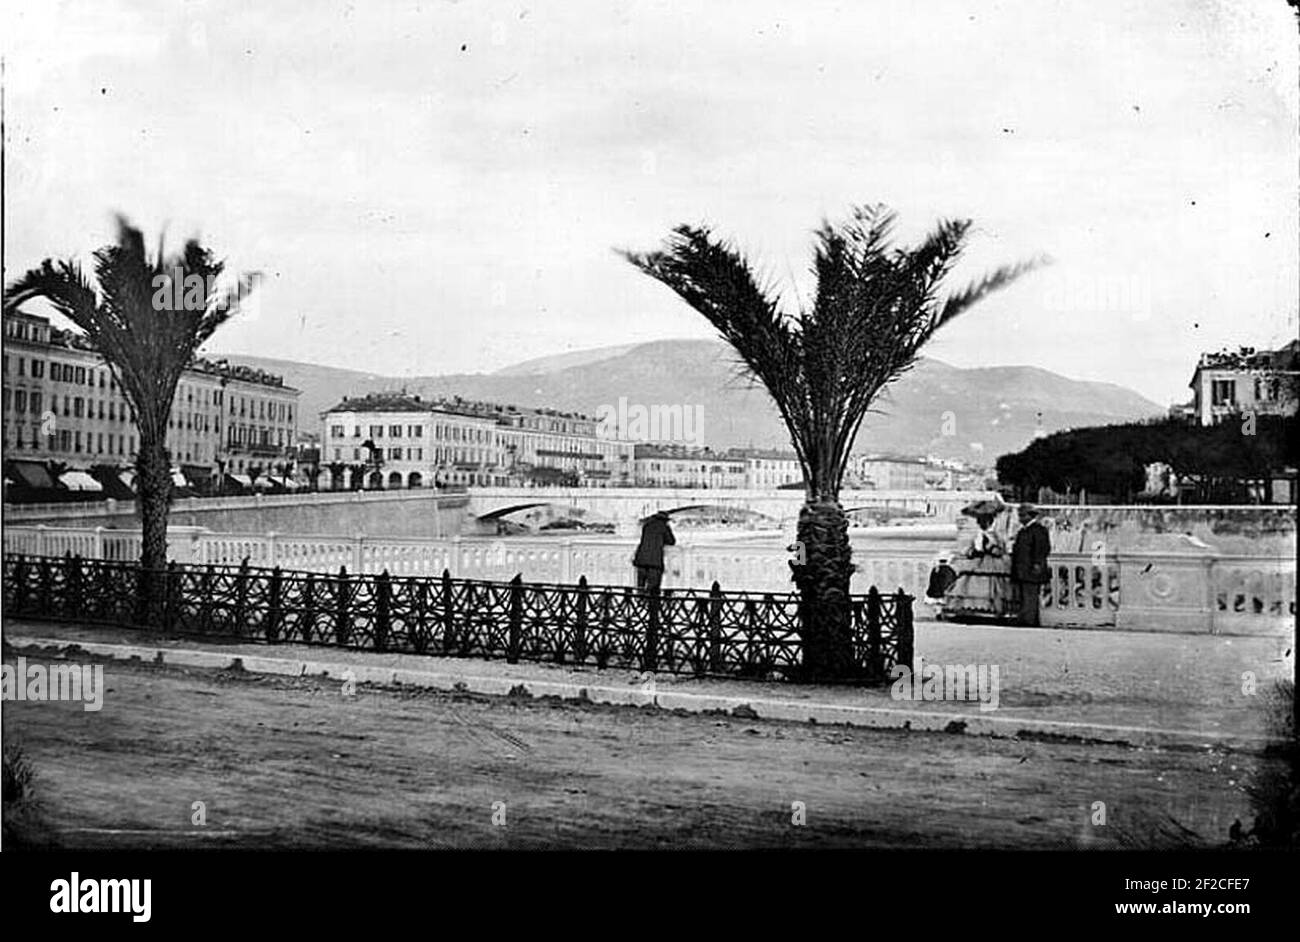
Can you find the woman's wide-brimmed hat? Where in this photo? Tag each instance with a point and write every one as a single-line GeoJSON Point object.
{"type": "Point", "coordinates": [984, 508]}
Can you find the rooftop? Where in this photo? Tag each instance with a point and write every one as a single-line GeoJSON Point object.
{"type": "Point", "coordinates": [770, 454]}
{"type": "Point", "coordinates": [680, 452]}
{"type": "Point", "coordinates": [402, 401]}
{"type": "Point", "coordinates": [1286, 358]}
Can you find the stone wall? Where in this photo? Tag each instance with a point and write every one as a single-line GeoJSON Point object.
{"type": "Point", "coordinates": [402, 515]}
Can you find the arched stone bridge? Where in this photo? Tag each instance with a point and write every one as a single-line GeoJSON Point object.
{"type": "Point", "coordinates": [626, 507]}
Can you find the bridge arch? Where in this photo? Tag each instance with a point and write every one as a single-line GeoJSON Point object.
{"type": "Point", "coordinates": [507, 511]}
{"type": "Point", "coordinates": [723, 510]}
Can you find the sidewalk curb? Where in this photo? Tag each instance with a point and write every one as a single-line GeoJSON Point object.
{"type": "Point", "coordinates": [885, 718]}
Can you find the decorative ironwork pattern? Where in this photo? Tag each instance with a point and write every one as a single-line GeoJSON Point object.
{"type": "Point", "coordinates": [685, 631]}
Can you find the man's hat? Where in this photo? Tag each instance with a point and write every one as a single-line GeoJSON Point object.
{"type": "Point", "coordinates": [1029, 510]}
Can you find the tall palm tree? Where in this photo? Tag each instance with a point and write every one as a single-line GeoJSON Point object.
{"type": "Point", "coordinates": [875, 306]}
{"type": "Point", "coordinates": [147, 344]}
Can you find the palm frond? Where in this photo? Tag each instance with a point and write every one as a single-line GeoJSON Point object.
{"type": "Point", "coordinates": [976, 291]}
{"type": "Point", "coordinates": [875, 307]}
{"type": "Point", "coordinates": [63, 284]}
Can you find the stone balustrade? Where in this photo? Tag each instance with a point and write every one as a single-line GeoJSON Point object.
{"type": "Point", "coordinates": [1141, 591]}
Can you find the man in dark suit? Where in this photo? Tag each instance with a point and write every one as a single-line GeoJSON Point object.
{"type": "Point", "coordinates": [1029, 562]}
{"type": "Point", "coordinates": [649, 558]}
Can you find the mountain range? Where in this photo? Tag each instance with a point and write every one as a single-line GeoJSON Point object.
{"type": "Point", "coordinates": [937, 409]}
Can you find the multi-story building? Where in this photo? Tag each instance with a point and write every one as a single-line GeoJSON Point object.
{"type": "Point", "coordinates": [261, 417]}
{"type": "Point", "coordinates": [542, 443]}
{"type": "Point", "coordinates": [679, 466]}
{"type": "Point", "coordinates": [768, 468]}
{"type": "Point", "coordinates": [1232, 383]}
{"type": "Point", "coordinates": [403, 441]}
{"type": "Point", "coordinates": [421, 443]}
{"type": "Point", "coordinates": [891, 472]}
{"type": "Point", "coordinates": [62, 404]}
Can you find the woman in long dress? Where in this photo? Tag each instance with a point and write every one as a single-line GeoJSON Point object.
{"type": "Point", "coordinates": [982, 567]}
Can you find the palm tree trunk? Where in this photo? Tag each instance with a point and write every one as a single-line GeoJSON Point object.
{"type": "Point", "coordinates": [153, 485]}
{"type": "Point", "coordinates": [823, 583]}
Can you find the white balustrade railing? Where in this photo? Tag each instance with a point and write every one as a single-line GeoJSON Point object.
{"type": "Point", "coordinates": [1140, 591]}
{"type": "Point", "coordinates": [100, 542]}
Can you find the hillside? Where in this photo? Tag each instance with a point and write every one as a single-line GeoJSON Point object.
{"type": "Point", "coordinates": [934, 409]}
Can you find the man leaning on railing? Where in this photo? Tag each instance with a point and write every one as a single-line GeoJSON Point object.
{"type": "Point", "coordinates": [649, 558]}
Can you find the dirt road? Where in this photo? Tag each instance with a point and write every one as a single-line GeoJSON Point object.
{"type": "Point", "coordinates": [296, 763]}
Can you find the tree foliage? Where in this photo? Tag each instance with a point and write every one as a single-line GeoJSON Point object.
{"type": "Point", "coordinates": [146, 342]}
{"type": "Point", "coordinates": [1216, 460]}
{"type": "Point", "coordinates": [876, 305]}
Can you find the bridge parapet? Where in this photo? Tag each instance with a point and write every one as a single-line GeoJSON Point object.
{"type": "Point", "coordinates": [626, 507]}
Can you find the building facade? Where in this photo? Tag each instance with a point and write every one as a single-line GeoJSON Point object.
{"type": "Point", "coordinates": [542, 444]}
{"type": "Point", "coordinates": [766, 469]}
{"type": "Point", "coordinates": [680, 466]}
{"type": "Point", "coordinates": [62, 404]}
{"type": "Point", "coordinates": [891, 472]}
{"type": "Point", "coordinates": [1231, 383]}
{"type": "Point", "coordinates": [421, 443]}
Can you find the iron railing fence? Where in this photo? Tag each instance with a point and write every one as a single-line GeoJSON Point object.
{"type": "Point", "coordinates": [687, 631]}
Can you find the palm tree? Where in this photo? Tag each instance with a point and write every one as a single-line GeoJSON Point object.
{"type": "Point", "coordinates": [147, 344]}
{"type": "Point", "coordinates": [875, 307]}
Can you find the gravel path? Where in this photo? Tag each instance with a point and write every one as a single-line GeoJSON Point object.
{"type": "Point", "coordinates": [293, 763]}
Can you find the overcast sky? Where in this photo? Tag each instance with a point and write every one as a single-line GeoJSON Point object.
{"type": "Point", "coordinates": [436, 187]}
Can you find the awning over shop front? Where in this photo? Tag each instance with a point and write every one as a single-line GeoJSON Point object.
{"type": "Point", "coordinates": [111, 479]}
{"type": "Point", "coordinates": [241, 479]}
{"type": "Point", "coordinates": [196, 474]}
{"type": "Point", "coordinates": [79, 481]}
{"type": "Point", "coordinates": [32, 474]}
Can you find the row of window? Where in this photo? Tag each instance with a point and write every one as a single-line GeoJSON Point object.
{"type": "Point", "coordinates": [79, 407]}
{"type": "Point", "coordinates": [237, 435]}
{"type": "Point", "coordinates": [89, 376]}
{"type": "Point", "coordinates": [59, 372]}
{"type": "Point", "coordinates": [70, 440]}
{"type": "Point", "coordinates": [20, 330]}
{"type": "Point", "coordinates": [438, 455]}
{"type": "Point", "coordinates": [278, 411]}
{"type": "Point", "coordinates": [76, 407]}
{"type": "Point", "coordinates": [377, 431]}
{"type": "Point", "coordinates": [1223, 392]}
{"type": "Point", "coordinates": [21, 401]}
{"type": "Point", "coordinates": [452, 434]}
